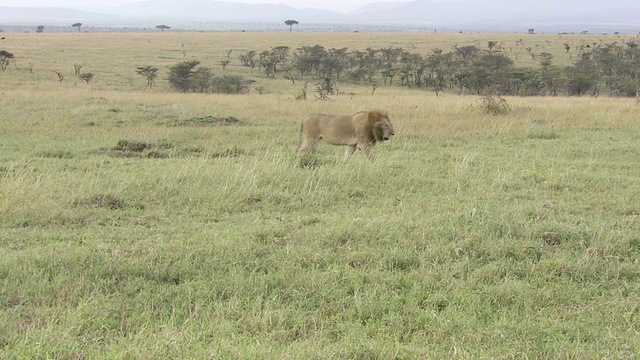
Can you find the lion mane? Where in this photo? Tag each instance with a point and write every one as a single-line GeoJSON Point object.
{"type": "Point", "coordinates": [360, 131]}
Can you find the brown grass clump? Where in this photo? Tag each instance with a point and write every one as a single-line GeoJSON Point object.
{"type": "Point", "coordinates": [139, 149]}
{"type": "Point", "coordinates": [133, 146]}
{"type": "Point", "coordinates": [103, 201]}
{"type": "Point", "coordinates": [208, 120]}
{"type": "Point", "coordinates": [494, 105]}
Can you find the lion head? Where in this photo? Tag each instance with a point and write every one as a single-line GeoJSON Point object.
{"type": "Point", "coordinates": [378, 126]}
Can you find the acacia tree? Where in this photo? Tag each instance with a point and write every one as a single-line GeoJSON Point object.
{"type": "Point", "coordinates": [549, 75]}
{"type": "Point", "coordinates": [438, 66]}
{"type": "Point", "coordinates": [77, 68]}
{"type": "Point", "coordinates": [60, 75]}
{"type": "Point", "coordinates": [77, 25]}
{"type": "Point", "coordinates": [149, 72]}
{"type": "Point", "coordinates": [290, 23]}
{"type": "Point", "coordinates": [582, 78]}
{"type": "Point", "coordinates": [87, 77]}
{"type": "Point", "coordinates": [248, 59]}
{"type": "Point", "coordinates": [324, 88]}
{"type": "Point", "coordinates": [388, 74]}
{"type": "Point", "coordinates": [5, 59]}
{"type": "Point", "coordinates": [466, 53]}
{"type": "Point", "coordinates": [181, 75]}
{"type": "Point", "coordinates": [489, 72]}
{"type": "Point", "coordinates": [229, 84]}
{"type": "Point", "coordinates": [307, 59]}
{"type": "Point", "coordinates": [467, 68]}
{"type": "Point", "coordinates": [202, 78]}
{"type": "Point", "coordinates": [163, 27]}
{"type": "Point", "coordinates": [269, 60]}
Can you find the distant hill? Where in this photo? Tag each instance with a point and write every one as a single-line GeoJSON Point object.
{"type": "Point", "coordinates": [549, 16]}
{"type": "Point", "coordinates": [50, 15]}
{"type": "Point", "coordinates": [215, 10]}
{"type": "Point", "coordinates": [582, 13]}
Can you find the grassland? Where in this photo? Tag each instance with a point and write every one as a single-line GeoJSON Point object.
{"type": "Point", "coordinates": [136, 224]}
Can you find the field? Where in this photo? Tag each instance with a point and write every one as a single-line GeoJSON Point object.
{"type": "Point", "coordinates": [148, 223]}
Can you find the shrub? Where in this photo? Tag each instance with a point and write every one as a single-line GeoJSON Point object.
{"type": "Point", "coordinates": [228, 84]}
{"type": "Point", "coordinates": [181, 75]}
{"type": "Point", "coordinates": [494, 105]}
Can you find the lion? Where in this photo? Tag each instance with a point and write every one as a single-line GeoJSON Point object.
{"type": "Point", "coordinates": [360, 131]}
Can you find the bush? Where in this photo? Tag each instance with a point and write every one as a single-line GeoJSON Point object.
{"type": "Point", "coordinates": [629, 88]}
{"type": "Point", "coordinates": [494, 105]}
{"type": "Point", "coordinates": [186, 77]}
{"type": "Point", "coordinates": [181, 75]}
{"type": "Point", "coordinates": [227, 84]}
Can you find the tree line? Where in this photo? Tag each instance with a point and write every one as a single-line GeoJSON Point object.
{"type": "Point", "coordinates": [613, 68]}
{"type": "Point", "coordinates": [188, 76]}
{"type": "Point", "coordinates": [610, 68]}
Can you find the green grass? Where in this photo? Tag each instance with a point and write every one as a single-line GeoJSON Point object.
{"type": "Point", "coordinates": [137, 225]}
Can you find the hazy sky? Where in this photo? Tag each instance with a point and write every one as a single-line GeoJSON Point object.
{"type": "Point", "coordinates": [336, 5]}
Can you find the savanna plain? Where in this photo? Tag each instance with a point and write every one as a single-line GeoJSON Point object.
{"type": "Point", "coordinates": [148, 223]}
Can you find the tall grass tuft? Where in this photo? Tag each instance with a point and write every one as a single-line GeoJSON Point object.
{"type": "Point", "coordinates": [494, 105]}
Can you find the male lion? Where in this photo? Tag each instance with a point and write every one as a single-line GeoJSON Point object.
{"type": "Point", "coordinates": [360, 131]}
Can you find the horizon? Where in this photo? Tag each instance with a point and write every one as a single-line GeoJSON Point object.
{"type": "Point", "coordinates": [333, 5]}
{"type": "Point", "coordinates": [442, 15]}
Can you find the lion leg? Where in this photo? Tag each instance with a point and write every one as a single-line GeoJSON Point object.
{"type": "Point", "coordinates": [308, 146]}
{"type": "Point", "coordinates": [366, 149]}
{"type": "Point", "coordinates": [349, 151]}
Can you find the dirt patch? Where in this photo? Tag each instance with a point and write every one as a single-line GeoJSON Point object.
{"type": "Point", "coordinates": [133, 146]}
{"type": "Point", "coordinates": [230, 152]}
{"type": "Point", "coordinates": [139, 149]}
{"type": "Point", "coordinates": [208, 120]}
{"type": "Point", "coordinates": [102, 201]}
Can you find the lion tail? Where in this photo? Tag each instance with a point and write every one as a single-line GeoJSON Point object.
{"type": "Point", "coordinates": [300, 135]}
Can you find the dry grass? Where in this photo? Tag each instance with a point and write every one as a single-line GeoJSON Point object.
{"type": "Point", "coordinates": [471, 235]}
